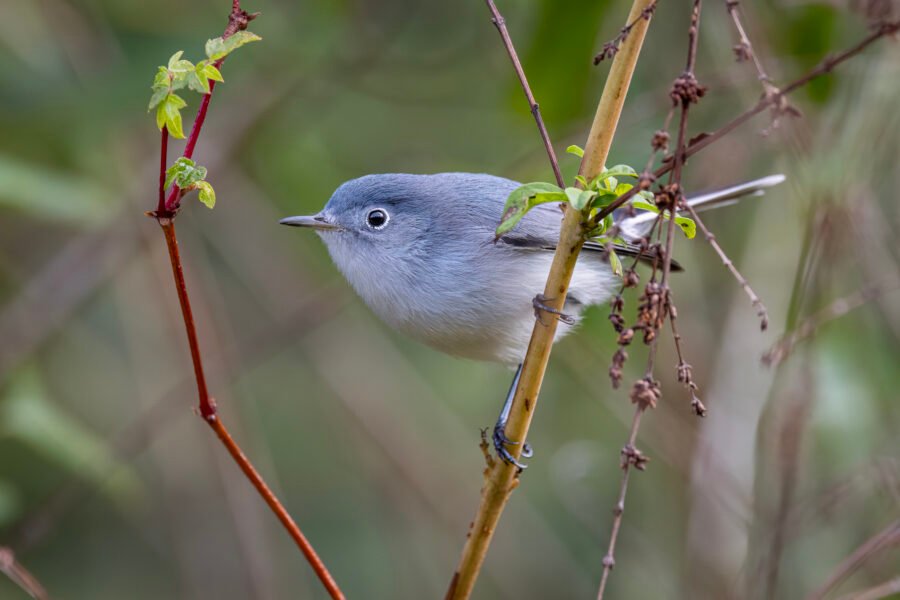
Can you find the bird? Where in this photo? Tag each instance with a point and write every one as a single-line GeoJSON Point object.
{"type": "Point", "coordinates": [421, 252]}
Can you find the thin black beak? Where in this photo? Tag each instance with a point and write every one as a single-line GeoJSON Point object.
{"type": "Point", "coordinates": [315, 222]}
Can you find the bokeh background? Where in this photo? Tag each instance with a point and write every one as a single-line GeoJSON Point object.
{"type": "Point", "coordinates": [110, 487]}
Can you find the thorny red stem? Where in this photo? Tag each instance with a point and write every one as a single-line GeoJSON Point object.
{"type": "Point", "coordinates": [500, 24]}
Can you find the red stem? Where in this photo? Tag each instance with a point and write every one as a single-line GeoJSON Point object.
{"type": "Point", "coordinates": [208, 412]}
{"type": "Point", "coordinates": [174, 198]}
{"type": "Point", "coordinates": [165, 215]}
{"type": "Point", "coordinates": [241, 459]}
{"type": "Point", "coordinates": [163, 154]}
{"type": "Point", "coordinates": [206, 404]}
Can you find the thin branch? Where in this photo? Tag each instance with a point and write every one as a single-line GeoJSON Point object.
{"type": "Point", "coordinates": [808, 328]}
{"type": "Point", "coordinates": [761, 310]}
{"type": "Point", "coordinates": [883, 590]}
{"type": "Point", "coordinates": [886, 538]}
{"type": "Point", "coordinates": [744, 50]}
{"type": "Point", "coordinates": [501, 478]}
{"type": "Point", "coordinates": [703, 141]}
{"type": "Point", "coordinates": [630, 456]}
{"type": "Point", "coordinates": [611, 47]}
{"type": "Point", "coordinates": [19, 575]}
{"type": "Point", "coordinates": [645, 392]}
{"type": "Point", "coordinates": [500, 23]}
{"type": "Point", "coordinates": [206, 404]}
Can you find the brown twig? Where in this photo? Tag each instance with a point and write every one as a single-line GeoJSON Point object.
{"type": "Point", "coordinates": [882, 590]}
{"type": "Point", "coordinates": [630, 456]}
{"type": "Point", "coordinates": [744, 49]}
{"type": "Point", "coordinates": [500, 23]}
{"type": "Point", "coordinates": [884, 539]}
{"type": "Point", "coordinates": [19, 575]}
{"type": "Point", "coordinates": [206, 404]}
{"type": "Point", "coordinates": [755, 301]}
{"type": "Point", "coordinates": [704, 140]}
{"type": "Point", "coordinates": [808, 328]}
{"type": "Point", "coordinates": [611, 47]}
{"type": "Point", "coordinates": [645, 392]}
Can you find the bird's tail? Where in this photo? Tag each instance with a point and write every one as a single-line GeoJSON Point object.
{"type": "Point", "coordinates": [638, 225]}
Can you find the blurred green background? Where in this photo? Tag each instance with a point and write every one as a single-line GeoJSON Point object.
{"type": "Point", "coordinates": [110, 487]}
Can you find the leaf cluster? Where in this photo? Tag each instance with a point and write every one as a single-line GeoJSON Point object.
{"type": "Point", "coordinates": [188, 176]}
{"type": "Point", "coordinates": [181, 73]}
{"type": "Point", "coordinates": [589, 198]}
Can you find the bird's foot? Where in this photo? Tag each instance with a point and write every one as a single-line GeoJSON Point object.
{"type": "Point", "coordinates": [540, 307]}
{"type": "Point", "coordinates": [500, 443]}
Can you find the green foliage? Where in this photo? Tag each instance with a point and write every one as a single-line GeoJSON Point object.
{"type": "Point", "coordinates": [181, 73]}
{"type": "Point", "coordinates": [188, 175]}
{"type": "Point", "coordinates": [217, 48]}
{"type": "Point", "coordinates": [524, 198]}
{"type": "Point", "coordinates": [591, 198]}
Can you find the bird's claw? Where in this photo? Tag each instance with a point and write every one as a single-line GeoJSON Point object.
{"type": "Point", "coordinates": [500, 443]}
{"type": "Point", "coordinates": [541, 307]}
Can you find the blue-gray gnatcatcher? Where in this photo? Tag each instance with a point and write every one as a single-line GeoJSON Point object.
{"type": "Point", "coordinates": [420, 251]}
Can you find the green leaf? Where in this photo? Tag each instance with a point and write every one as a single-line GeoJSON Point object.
{"type": "Point", "coordinates": [161, 116]}
{"type": "Point", "coordinates": [217, 48]}
{"type": "Point", "coordinates": [198, 81]}
{"type": "Point", "coordinates": [688, 227]}
{"type": "Point", "coordinates": [207, 194]}
{"type": "Point", "coordinates": [524, 198]}
{"type": "Point", "coordinates": [580, 199]}
{"type": "Point", "coordinates": [185, 173]}
{"type": "Point", "coordinates": [157, 97]}
{"type": "Point", "coordinates": [171, 109]}
{"type": "Point", "coordinates": [161, 87]}
{"type": "Point", "coordinates": [614, 262]}
{"type": "Point", "coordinates": [576, 150]}
{"type": "Point", "coordinates": [178, 65]}
{"type": "Point", "coordinates": [646, 195]}
{"type": "Point", "coordinates": [623, 188]}
{"type": "Point", "coordinates": [645, 206]}
{"type": "Point", "coordinates": [619, 171]}
{"type": "Point", "coordinates": [213, 73]}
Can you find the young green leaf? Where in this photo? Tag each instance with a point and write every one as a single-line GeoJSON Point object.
{"type": "Point", "coordinates": [161, 87]}
{"type": "Point", "coordinates": [576, 150]}
{"type": "Point", "coordinates": [614, 262]}
{"type": "Point", "coordinates": [179, 65]}
{"type": "Point", "coordinates": [646, 195]}
{"type": "Point", "coordinates": [619, 171]}
{"type": "Point", "coordinates": [524, 198]}
{"type": "Point", "coordinates": [217, 48]}
{"type": "Point", "coordinates": [212, 72]}
{"type": "Point", "coordinates": [168, 113]}
{"type": "Point", "coordinates": [207, 194]}
{"type": "Point", "coordinates": [580, 199]}
{"type": "Point", "coordinates": [645, 206]}
{"type": "Point", "coordinates": [198, 81]}
{"type": "Point", "coordinates": [688, 227]}
{"type": "Point", "coordinates": [185, 173]}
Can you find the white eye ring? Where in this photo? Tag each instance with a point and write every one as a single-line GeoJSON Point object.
{"type": "Point", "coordinates": [378, 218]}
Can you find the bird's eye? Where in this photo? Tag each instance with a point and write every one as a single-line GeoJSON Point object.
{"type": "Point", "coordinates": [377, 218]}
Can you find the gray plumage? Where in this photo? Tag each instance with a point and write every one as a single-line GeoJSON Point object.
{"type": "Point", "coordinates": [434, 271]}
